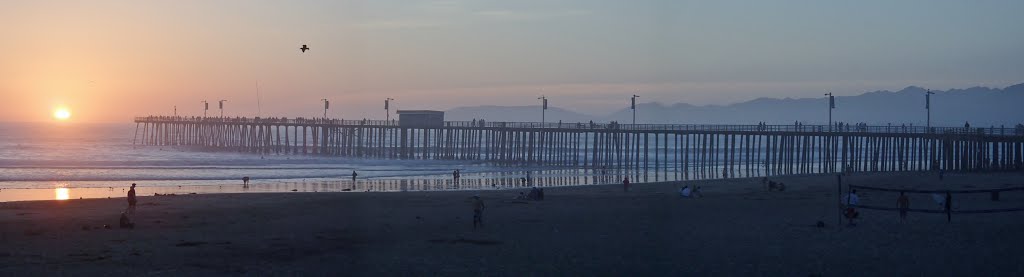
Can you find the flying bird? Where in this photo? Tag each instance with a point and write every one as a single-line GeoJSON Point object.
{"type": "Point", "coordinates": [304, 48]}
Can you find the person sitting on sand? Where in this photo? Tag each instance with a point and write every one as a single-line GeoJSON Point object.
{"type": "Point", "coordinates": [684, 191]}
{"type": "Point", "coordinates": [126, 223]}
{"type": "Point", "coordinates": [478, 211]}
{"type": "Point", "coordinates": [534, 194]}
{"type": "Point", "coordinates": [697, 192]}
{"type": "Point", "coordinates": [132, 200]}
{"type": "Point", "coordinates": [521, 196]}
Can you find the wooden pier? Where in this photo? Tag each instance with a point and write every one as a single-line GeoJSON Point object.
{"type": "Point", "coordinates": [688, 151]}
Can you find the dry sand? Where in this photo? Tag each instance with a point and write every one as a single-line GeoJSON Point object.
{"type": "Point", "coordinates": [736, 229]}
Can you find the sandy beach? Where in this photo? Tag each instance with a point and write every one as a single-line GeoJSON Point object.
{"type": "Point", "coordinates": [736, 229]}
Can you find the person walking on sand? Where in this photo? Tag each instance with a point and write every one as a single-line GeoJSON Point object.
{"type": "Point", "coordinates": [625, 184]}
{"type": "Point", "coordinates": [245, 182]}
{"type": "Point", "coordinates": [132, 200]}
{"type": "Point", "coordinates": [903, 204]}
{"type": "Point", "coordinates": [478, 211]}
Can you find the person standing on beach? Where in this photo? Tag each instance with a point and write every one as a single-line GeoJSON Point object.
{"type": "Point", "coordinates": [354, 179]}
{"type": "Point", "coordinates": [903, 203]}
{"type": "Point", "coordinates": [949, 206]}
{"type": "Point", "coordinates": [851, 201]}
{"type": "Point", "coordinates": [132, 200]}
{"type": "Point", "coordinates": [478, 211]}
{"type": "Point", "coordinates": [625, 184]}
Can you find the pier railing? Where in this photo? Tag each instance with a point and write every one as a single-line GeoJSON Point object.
{"type": "Point", "coordinates": [846, 128]}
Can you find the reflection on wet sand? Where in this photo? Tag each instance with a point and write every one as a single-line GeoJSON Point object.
{"type": "Point", "coordinates": [62, 193]}
{"type": "Point", "coordinates": [468, 181]}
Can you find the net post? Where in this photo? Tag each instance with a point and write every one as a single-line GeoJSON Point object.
{"type": "Point", "coordinates": [839, 196]}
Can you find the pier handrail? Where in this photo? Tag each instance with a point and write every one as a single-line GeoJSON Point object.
{"type": "Point", "coordinates": [846, 128]}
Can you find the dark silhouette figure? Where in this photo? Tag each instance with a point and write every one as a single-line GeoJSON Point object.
{"type": "Point", "coordinates": [304, 48]}
{"type": "Point", "coordinates": [478, 211]}
{"type": "Point", "coordinates": [245, 182]}
{"type": "Point", "coordinates": [625, 184]}
{"type": "Point", "coordinates": [949, 206]}
{"type": "Point", "coordinates": [132, 200]}
{"type": "Point", "coordinates": [126, 223]}
{"type": "Point", "coordinates": [903, 203]}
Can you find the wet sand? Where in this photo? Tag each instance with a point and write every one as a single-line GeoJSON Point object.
{"type": "Point", "coordinates": [736, 229]}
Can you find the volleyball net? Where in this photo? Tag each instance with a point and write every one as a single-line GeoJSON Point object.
{"type": "Point", "coordinates": [961, 201]}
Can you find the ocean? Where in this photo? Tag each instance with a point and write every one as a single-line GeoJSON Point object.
{"type": "Point", "coordinates": [40, 161]}
{"type": "Point", "coordinates": [55, 160]}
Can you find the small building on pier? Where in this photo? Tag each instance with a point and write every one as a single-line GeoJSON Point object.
{"type": "Point", "coordinates": [420, 119]}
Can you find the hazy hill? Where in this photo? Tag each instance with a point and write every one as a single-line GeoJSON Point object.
{"type": "Point", "coordinates": [981, 106]}
{"type": "Point", "coordinates": [515, 113]}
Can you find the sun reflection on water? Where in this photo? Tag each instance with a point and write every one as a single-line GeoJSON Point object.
{"type": "Point", "coordinates": [62, 193]}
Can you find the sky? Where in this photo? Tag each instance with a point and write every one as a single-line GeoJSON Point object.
{"type": "Point", "coordinates": [108, 61]}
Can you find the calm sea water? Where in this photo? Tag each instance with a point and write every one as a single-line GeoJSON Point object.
{"type": "Point", "coordinates": [45, 160]}
{"type": "Point", "coordinates": [73, 160]}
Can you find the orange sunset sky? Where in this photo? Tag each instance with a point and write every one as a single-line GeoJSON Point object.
{"type": "Point", "coordinates": [107, 61]}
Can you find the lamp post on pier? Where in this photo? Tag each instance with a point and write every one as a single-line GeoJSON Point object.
{"type": "Point", "coordinates": [206, 107]}
{"type": "Point", "coordinates": [632, 106]}
{"type": "Point", "coordinates": [928, 109]}
{"type": "Point", "coordinates": [543, 108]}
{"type": "Point", "coordinates": [387, 109]}
{"type": "Point", "coordinates": [831, 105]}
{"type": "Point", "coordinates": [327, 105]}
{"type": "Point", "coordinates": [220, 104]}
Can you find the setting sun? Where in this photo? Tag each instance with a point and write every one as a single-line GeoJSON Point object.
{"type": "Point", "coordinates": [62, 114]}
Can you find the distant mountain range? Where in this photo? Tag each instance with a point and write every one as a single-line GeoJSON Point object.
{"type": "Point", "coordinates": [980, 106]}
